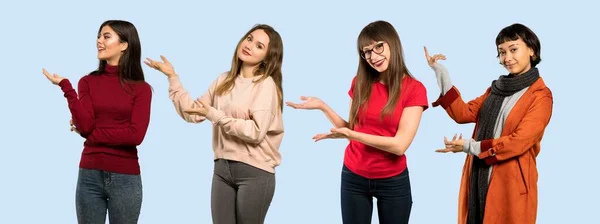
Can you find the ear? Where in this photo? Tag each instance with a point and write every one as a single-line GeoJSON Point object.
{"type": "Point", "coordinates": [124, 46]}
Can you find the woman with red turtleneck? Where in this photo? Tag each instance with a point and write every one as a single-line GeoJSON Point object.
{"type": "Point", "coordinates": [111, 111]}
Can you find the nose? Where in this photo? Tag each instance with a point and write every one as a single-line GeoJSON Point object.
{"type": "Point", "coordinates": [375, 57]}
{"type": "Point", "coordinates": [506, 59]}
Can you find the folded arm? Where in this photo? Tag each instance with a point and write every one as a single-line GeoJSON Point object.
{"type": "Point", "coordinates": [82, 111]}
{"type": "Point", "coordinates": [134, 134]}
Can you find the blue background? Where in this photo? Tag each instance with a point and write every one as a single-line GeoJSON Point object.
{"type": "Point", "coordinates": [39, 156]}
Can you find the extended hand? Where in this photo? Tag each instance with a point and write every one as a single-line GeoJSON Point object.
{"type": "Point", "coordinates": [456, 145]}
{"type": "Point", "coordinates": [309, 103]}
{"type": "Point", "coordinates": [336, 133]}
{"type": "Point", "coordinates": [165, 67]}
{"type": "Point", "coordinates": [54, 78]}
{"type": "Point", "coordinates": [432, 60]}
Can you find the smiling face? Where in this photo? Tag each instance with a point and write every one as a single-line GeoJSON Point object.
{"type": "Point", "coordinates": [515, 56]}
{"type": "Point", "coordinates": [110, 46]}
{"type": "Point", "coordinates": [377, 55]}
{"type": "Point", "coordinates": [254, 48]}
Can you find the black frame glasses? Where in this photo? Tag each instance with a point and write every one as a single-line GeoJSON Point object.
{"type": "Point", "coordinates": [378, 49]}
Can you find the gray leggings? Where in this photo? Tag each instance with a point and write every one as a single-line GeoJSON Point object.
{"type": "Point", "coordinates": [241, 194]}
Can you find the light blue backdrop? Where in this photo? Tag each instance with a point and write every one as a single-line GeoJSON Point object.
{"type": "Point", "coordinates": [39, 156]}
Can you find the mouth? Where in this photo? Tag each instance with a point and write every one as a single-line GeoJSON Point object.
{"type": "Point", "coordinates": [379, 62]}
{"type": "Point", "coordinates": [245, 52]}
{"type": "Point", "coordinates": [101, 49]}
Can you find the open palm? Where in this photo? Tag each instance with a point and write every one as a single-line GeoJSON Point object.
{"type": "Point", "coordinates": [431, 60]}
{"type": "Point", "coordinates": [309, 103]}
{"type": "Point", "coordinates": [165, 66]}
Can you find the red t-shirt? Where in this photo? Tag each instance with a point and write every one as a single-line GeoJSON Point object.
{"type": "Point", "coordinates": [371, 162]}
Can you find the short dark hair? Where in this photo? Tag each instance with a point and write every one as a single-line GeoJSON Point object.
{"type": "Point", "coordinates": [516, 31]}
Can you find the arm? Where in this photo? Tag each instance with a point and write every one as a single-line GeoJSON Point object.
{"type": "Point", "coordinates": [140, 119]}
{"type": "Point", "coordinates": [407, 128]}
{"type": "Point", "coordinates": [81, 108]}
{"type": "Point", "coordinates": [262, 112]}
{"type": "Point", "coordinates": [452, 101]}
{"type": "Point", "coordinates": [415, 103]}
{"type": "Point", "coordinates": [334, 117]}
{"type": "Point", "coordinates": [182, 100]}
{"type": "Point", "coordinates": [528, 133]}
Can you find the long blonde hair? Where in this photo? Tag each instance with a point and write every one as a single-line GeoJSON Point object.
{"type": "Point", "coordinates": [269, 67]}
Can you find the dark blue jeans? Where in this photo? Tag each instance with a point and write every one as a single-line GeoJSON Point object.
{"type": "Point", "coordinates": [100, 191]}
{"type": "Point", "coordinates": [394, 199]}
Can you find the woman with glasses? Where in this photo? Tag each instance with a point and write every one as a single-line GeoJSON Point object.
{"type": "Point", "coordinates": [385, 112]}
{"type": "Point", "coordinates": [244, 106]}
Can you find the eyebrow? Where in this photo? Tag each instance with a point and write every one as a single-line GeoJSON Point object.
{"type": "Point", "coordinates": [106, 33]}
{"type": "Point", "coordinates": [508, 46]}
{"type": "Point", "coordinates": [377, 43]}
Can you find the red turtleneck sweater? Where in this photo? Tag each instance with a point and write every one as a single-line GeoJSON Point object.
{"type": "Point", "coordinates": [112, 120]}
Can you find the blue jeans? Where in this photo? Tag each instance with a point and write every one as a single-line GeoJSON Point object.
{"type": "Point", "coordinates": [394, 199]}
{"type": "Point", "coordinates": [100, 191]}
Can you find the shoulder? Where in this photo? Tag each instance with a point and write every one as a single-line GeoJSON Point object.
{"type": "Point", "coordinates": [267, 82]}
{"type": "Point", "coordinates": [143, 87]}
{"type": "Point", "coordinates": [412, 84]}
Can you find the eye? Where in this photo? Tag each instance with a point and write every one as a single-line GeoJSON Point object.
{"type": "Point", "coordinates": [249, 38]}
{"type": "Point", "coordinates": [378, 47]}
{"type": "Point", "coordinates": [259, 46]}
{"type": "Point", "coordinates": [513, 50]}
{"type": "Point", "coordinates": [502, 53]}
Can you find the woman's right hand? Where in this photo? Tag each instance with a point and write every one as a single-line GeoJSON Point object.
{"type": "Point", "coordinates": [431, 60]}
{"type": "Point", "coordinates": [310, 103]}
{"type": "Point", "coordinates": [165, 67]}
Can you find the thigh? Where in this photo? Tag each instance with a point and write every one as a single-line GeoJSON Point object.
{"type": "Point", "coordinates": [223, 195]}
{"type": "Point", "coordinates": [90, 200]}
{"type": "Point", "coordinates": [125, 198]}
{"type": "Point", "coordinates": [256, 189]}
{"type": "Point", "coordinates": [394, 199]}
{"type": "Point", "coordinates": [356, 200]}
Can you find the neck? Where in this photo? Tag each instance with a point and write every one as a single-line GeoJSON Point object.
{"type": "Point", "coordinates": [247, 71]}
{"type": "Point", "coordinates": [112, 62]}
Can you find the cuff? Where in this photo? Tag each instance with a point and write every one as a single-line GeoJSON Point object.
{"type": "Point", "coordinates": [65, 85]}
{"type": "Point", "coordinates": [214, 115]}
{"type": "Point", "coordinates": [446, 99]}
{"type": "Point", "coordinates": [488, 153]}
{"type": "Point", "coordinates": [174, 82]}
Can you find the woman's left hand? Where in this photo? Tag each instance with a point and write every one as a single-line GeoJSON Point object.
{"type": "Point", "coordinates": [336, 133]}
{"type": "Point", "coordinates": [54, 78]}
{"type": "Point", "coordinates": [202, 110]}
{"type": "Point", "coordinates": [454, 146]}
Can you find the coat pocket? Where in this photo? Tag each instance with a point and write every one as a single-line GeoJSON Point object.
{"type": "Point", "coordinates": [522, 178]}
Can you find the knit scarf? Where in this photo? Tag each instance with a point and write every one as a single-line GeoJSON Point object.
{"type": "Point", "coordinates": [505, 85]}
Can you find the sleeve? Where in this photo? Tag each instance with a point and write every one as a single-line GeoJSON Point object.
{"type": "Point", "coordinates": [351, 91]}
{"type": "Point", "coordinates": [81, 108]}
{"type": "Point", "coordinates": [182, 100]}
{"type": "Point", "coordinates": [528, 133]}
{"type": "Point", "coordinates": [416, 95]}
{"type": "Point", "coordinates": [140, 119]}
{"type": "Point", "coordinates": [456, 107]}
{"type": "Point", "coordinates": [262, 113]}
{"type": "Point", "coordinates": [442, 77]}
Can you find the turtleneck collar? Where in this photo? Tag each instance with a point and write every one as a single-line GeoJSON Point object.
{"type": "Point", "coordinates": [111, 69]}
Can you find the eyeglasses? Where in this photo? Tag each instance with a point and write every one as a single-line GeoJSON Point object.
{"type": "Point", "coordinates": [378, 49]}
